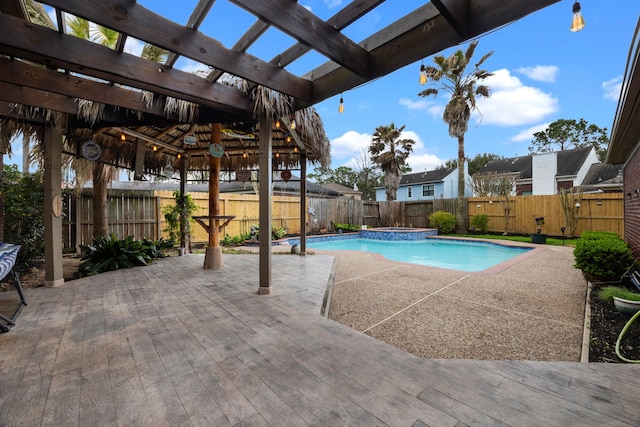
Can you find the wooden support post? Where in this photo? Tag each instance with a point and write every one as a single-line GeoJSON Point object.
{"type": "Point", "coordinates": [265, 178]}
{"type": "Point", "coordinates": [303, 204]}
{"type": "Point", "coordinates": [184, 221]}
{"type": "Point", "coordinates": [139, 166]}
{"type": "Point", "coordinates": [213, 254]}
{"type": "Point", "coordinates": [53, 274]}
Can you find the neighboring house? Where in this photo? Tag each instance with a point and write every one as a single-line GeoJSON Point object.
{"type": "Point", "coordinates": [350, 193]}
{"type": "Point", "coordinates": [624, 144]}
{"type": "Point", "coordinates": [546, 173]}
{"type": "Point", "coordinates": [428, 185]}
{"type": "Point", "coordinates": [603, 178]}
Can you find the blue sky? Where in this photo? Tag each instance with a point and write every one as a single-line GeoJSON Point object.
{"type": "Point", "coordinates": [543, 72]}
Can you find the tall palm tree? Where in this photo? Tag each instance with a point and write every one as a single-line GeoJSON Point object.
{"type": "Point", "coordinates": [390, 153]}
{"type": "Point", "coordinates": [450, 76]}
{"type": "Point", "coordinates": [101, 173]}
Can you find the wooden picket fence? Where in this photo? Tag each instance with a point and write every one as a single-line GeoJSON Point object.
{"type": "Point", "coordinates": [140, 214]}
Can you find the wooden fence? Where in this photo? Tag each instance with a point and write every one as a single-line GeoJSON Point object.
{"type": "Point", "coordinates": [139, 214]}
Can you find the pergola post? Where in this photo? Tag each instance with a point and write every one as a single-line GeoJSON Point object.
{"type": "Point", "coordinates": [303, 204]}
{"type": "Point", "coordinates": [213, 253]}
{"type": "Point", "coordinates": [265, 178]}
{"type": "Point", "coordinates": [53, 274]}
{"type": "Point", "coordinates": [184, 222]}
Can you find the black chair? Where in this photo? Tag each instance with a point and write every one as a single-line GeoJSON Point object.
{"type": "Point", "coordinates": [8, 255]}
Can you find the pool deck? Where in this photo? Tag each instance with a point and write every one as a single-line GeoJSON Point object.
{"type": "Point", "coordinates": [173, 344]}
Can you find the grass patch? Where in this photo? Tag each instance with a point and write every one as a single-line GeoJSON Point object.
{"type": "Point", "coordinates": [608, 292]}
{"type": "Point", "coordinates": [527, 239]}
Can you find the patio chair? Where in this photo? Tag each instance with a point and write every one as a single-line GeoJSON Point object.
{"type": "Point", "coordinates": [8, 255]}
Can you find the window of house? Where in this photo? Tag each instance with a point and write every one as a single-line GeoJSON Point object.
{"type": "Point", "coordinates": [408, 192]}
{"type": "Point", "coordinates": [428, 190]}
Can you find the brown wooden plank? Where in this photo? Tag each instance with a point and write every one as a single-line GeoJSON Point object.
{"type": "Point", "coordinates": [63, 407]}
{"type": "Point", "coordinates": [96, 405]}
{"type": "Point", "coordinates": [133, 19]}
{"type": "Point", "coordinates": [44, 46]}
{"type": "Point", "coordinates": [297, 21]}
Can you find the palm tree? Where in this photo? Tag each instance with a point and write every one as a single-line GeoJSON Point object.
{"type": "Point", "coordinates": [101, 173]}
{"type": "Point", "coordinates": [390, 153]}
{"type": "Point", "coordinates": [463, 89]}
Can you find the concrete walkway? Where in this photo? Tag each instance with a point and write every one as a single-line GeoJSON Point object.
{"type": "Point", "coordinates": [175, 345]}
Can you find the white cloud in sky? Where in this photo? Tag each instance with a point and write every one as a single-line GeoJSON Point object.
{"type": "Point", "coordinates": [333, 3]}
{"type": "Point", "coordinates": [542, 73]}
{"type": "Point", "coordinates": [348, 144]}
{"type": "Point", "coordinates": [612, 88]}
{"type": "Point", "coordinates": [133, 46]}
{"type": "Point", "coordinates": [424, 162]}
{"type": "Point", "coordinates": [527, 134]}
{"type": "Point", "coordinates": [512, 103]}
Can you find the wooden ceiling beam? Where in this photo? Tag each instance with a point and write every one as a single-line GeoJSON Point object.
{"type": "Point", "coordinates": [133, 19]}
{"type": "Point", "coordinates": [37, 98]}
{"type": "Point", "coordinates": [43, 46]}
{"type": "Point", "coordinates": [456, 12]}
{"type": "Point", "coordinates": [19, 73]}
{"type": "Point", "coordinates": [417, 35]}
{"type": "Point", "coordinates": [197, 16]}
{"type": "Point", "coordinates": [347, 16]}
{"type": "Point", "coordinates": [298, 22]}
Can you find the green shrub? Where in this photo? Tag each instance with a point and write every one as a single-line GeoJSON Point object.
{"type": "Point", "coordinates": [444, 221]}
{"type": "Point", "coordinates": [276, 232]}
{"type": "Point", "coordinates": [480, 223]}
{"type": "Point", "coordinates": [608, 292]}
{"type": "Point", "coordinates": [109, 253]}
{"type": "Point", "coordinates": [345, 227]}
{"type": "Point", "coordinates": [597, 235]}
{"type": "Point", "coordinates": [23, 198]}
{"type": "Point", "coordinates": [173, 215]}
{"type": "Point", "coordinates": [602, 259]}
{"type": "Point", "coordinates": [235, 240]}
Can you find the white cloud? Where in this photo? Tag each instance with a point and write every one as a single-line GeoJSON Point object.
{"type": "Point", "coordinates": [193, 67]}
{"type": "Point", "coordinates": [133, 46]}
{"type": "Point", "coordinates": [542, 73]}
{"type": "Point", "coordinates": [512, 103]}
{"type": "Point", "coordinates": [527, 134]}
{"type": "Point", "coordinates": [333, 3]}
{"type": "Point", "coordinates": [349, 143]}
{"type": "Point", "coordinates": [424, 162]}
{"type": "Point", "coordinates": [612, 88]}
{"type": "Point", "coordinates": [421, 104]}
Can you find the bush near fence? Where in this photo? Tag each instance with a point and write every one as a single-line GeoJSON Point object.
{"type": "Point", "coordinates": [139, 214]}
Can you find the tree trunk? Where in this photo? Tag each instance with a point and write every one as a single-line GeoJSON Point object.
{"type": "Point", "coordinates": [461, 220]}
{"type": "Point", "coordinates": [100, 216]}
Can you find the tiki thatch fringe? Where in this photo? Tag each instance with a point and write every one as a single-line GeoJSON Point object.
{"type": "Point", "coordinates": [90, 111]}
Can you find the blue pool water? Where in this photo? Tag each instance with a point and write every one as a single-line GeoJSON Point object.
{"type": "Point", "coordinates": [462, 255]}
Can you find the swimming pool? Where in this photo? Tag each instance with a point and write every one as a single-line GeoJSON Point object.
{"type": "Point", "coordinates": [463, 255]}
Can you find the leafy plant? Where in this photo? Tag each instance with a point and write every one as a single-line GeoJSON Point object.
{"type": "Point", "coordinates": [23, 196]}
{"type": "Point", "coordinates": [444, 221]}
{"type": "Point", "coordinates": [235, 240]}
{"type": "Point", "coordinates": [276, 232]}
{"type": "Point", "coordinates": [173, 215]}
{"type": "Point", "coordinates": [346, 227]}
{"type": "Point", "coordinates": [480, 223]}
{"type": "Point", "coordinates": [602, 258]}
{"type": "Point", "coordinates": [608, 292]}
{"type": "Point", "coordinates": [109, 253]}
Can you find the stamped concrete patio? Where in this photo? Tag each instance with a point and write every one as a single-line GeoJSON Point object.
{"type": "Point", "coordinates": [173, 344]}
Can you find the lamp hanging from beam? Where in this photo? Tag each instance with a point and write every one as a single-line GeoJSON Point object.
{"type": "Point", "coordinates": [341, 105]}
{"type": "Point", "coordinates": [423, 74]}
{"type": "Point", "coordinates": [577, 23]}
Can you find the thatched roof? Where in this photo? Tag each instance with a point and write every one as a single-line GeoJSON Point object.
{"type": "Point", "coordinates": [165, 143]}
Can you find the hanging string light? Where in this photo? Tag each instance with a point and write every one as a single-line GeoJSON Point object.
{"type": "Point", "coordinates": [341, 105]}
{"type": "Point", "coordinates": [423, 74]}
{"type": "Point", "coordinates": [277, 123]}
{"type": "Point", "coordinates": [577, 23]}
{"type": "Point", "coordinates": [244, 154]}
{"type": "Point", "coordinates": [123, 137]}
{"type": "Point", "coordinates": [293, 124]}
{"type": "Point", "coordinates": [288, 138]}
{"type": "Point", "coordinates": [155, 148]}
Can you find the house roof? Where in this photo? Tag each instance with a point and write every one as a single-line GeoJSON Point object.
{"type": "Point", "coordinates": [569, 163]}
{"type": "Point", "coordinates": [521, 165]}
{"type": "Point", "coordinates": [291, 186]}
{"type": "Point", "coordinates": [340, 188]}
{"type": "Point", "coordinates": [602, 173]}
{"type": "Point", "coordinates": [425, 177]}
{"type": "Point", "coordinates": [625, 132]}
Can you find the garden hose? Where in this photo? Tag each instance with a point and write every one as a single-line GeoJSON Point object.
{"type": "Point", "coordinates": [624, 331]}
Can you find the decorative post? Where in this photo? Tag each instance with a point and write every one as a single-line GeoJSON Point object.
{"type": "Point", "coordinates": [264, 176]}
{"type": "Point", "coordinates": [53, 274]}
{"type": "Point", "coordinates": [213, 254]}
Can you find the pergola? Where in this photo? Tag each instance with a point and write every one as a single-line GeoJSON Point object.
{"type": "Point", "coordinates": [144, 115]}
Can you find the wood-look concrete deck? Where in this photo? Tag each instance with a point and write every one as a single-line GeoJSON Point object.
{"type": "Point", "coordinates": [175, 345]}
